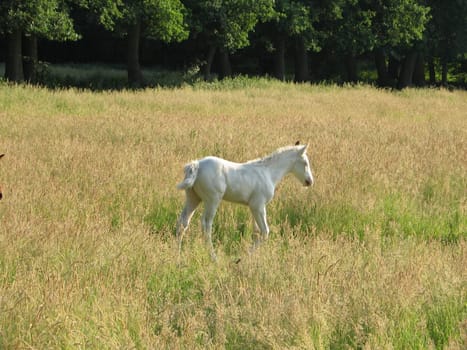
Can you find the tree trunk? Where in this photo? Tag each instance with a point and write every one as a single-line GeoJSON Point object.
{"type": "Point", "coordinates": [135, 76]}
{"type": "Point", "coordinates": [279, 59]}
{"type": "Point", "coordinates": [393, 70]}
{"type": "Point", "coordinates": [30, 59]}
{"type": "Point", "coordinates": [209, 60]}
{"type": "Point", "coordinates": [301, 62]}
{"type": "Point", "coordinates": [14, 59]}
{"type": "Point", "coordinates": [444, 73]}
{"type": "Point", "coordinates": [225, 67]}
{"type": "Point", "coordinates": [419, 71]}
{"type": "Point", "coordinates": [407, 69]}
{"type": "Point", "coordinates": [431, 70]}
{"type": "Point", "coordinates": [351, 68]}
{"type": "Point", "coordinates": [381, 67]}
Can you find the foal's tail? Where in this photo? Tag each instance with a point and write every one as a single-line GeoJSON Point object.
{"type": "Point", "coordinates": [191, 172]}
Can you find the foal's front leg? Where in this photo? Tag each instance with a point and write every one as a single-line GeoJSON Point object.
{"type": "Point", "coordinates": [259, 214]}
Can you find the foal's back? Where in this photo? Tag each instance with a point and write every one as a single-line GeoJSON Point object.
{"type": "Point", "coordinates": [234, 182]}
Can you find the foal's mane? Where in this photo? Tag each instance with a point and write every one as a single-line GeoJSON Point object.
{"type": "Point", "coordinates": [274, 155]}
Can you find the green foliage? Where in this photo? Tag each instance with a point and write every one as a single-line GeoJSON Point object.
{"type": "Point", "coordinates": [47, 18]}
{"type": "Point", "coordinates": [353, 28]}
{"type": "Point", "coordinates": [227, 23]}
{"type": "Point", "coordinates": [108, 11]}
{"type": "Point", "coordinates": [447, 31]}
{"type": "Point", "coordinates": [165, 20]}
{"type": "Point", "coordinates": [405, 22]}
{"type": "Point", "coordinates": [349, 28]}
{"type": "Point", "coordinates": [399, 22]}
{"type": "Point", "coordinates": [162, 19]}
{"type": "Point", "coordinates": [292, 18]}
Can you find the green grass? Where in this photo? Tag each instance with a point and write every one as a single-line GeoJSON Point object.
{"type": "Point", "coordinates": [372, 256]}
{"type": "Point", "coordinates": [442, 320]}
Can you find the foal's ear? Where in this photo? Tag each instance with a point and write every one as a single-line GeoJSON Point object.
{"type": "Point", "coordinates": [297, 143]}
{"type": "Point", "coordinates": [1, 155]}
{"type": "Point", "coordinates": [304, 148]}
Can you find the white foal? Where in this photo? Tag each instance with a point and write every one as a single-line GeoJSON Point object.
{"type": "Point", "coordinates": [211, 180]}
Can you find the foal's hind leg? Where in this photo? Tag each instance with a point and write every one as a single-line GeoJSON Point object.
{"type": "Point", "coordinates": [210, 209]}
{"type": "Point", "coordinates": [191, 203]}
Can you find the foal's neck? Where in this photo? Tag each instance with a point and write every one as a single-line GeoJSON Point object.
{"type": "Point", "coordinates": [280, 167]}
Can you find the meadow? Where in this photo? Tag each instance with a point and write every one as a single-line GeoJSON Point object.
{"type": "Point", "coordinates": [373, 256]}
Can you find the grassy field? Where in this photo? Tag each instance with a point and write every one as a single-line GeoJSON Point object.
{"type": "Point", "coordinates": [373, 256]}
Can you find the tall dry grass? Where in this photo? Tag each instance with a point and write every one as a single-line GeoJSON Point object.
{"type": "Point", "coordinates": [373, 256]}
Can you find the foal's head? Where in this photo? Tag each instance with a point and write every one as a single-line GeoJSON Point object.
{"type": "Point", "coordinates": [302, 169]}
{"type": "Point", "coordinates": [1, 195]}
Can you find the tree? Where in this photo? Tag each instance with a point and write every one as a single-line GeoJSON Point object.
{"type": "Point", "coordinates": [291, 21]}
{"type": "Point", "coordinates": [154, 19]}
{"type": "Point", "coordinates": [398, 25]}
{"type": "Point", "coordinates": [310, 25]}
{"type": "Point", "coordinates": [446, 35]}
{"type": "Point", "coordinates": [352, 33]}
{"type": "Point", "coordinates": [45, 18]}
{"type": "Point", "coordinates": [224, 26]}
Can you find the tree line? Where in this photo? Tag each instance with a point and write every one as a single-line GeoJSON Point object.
{"type": "Point", "coordinates": [403, 38]}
